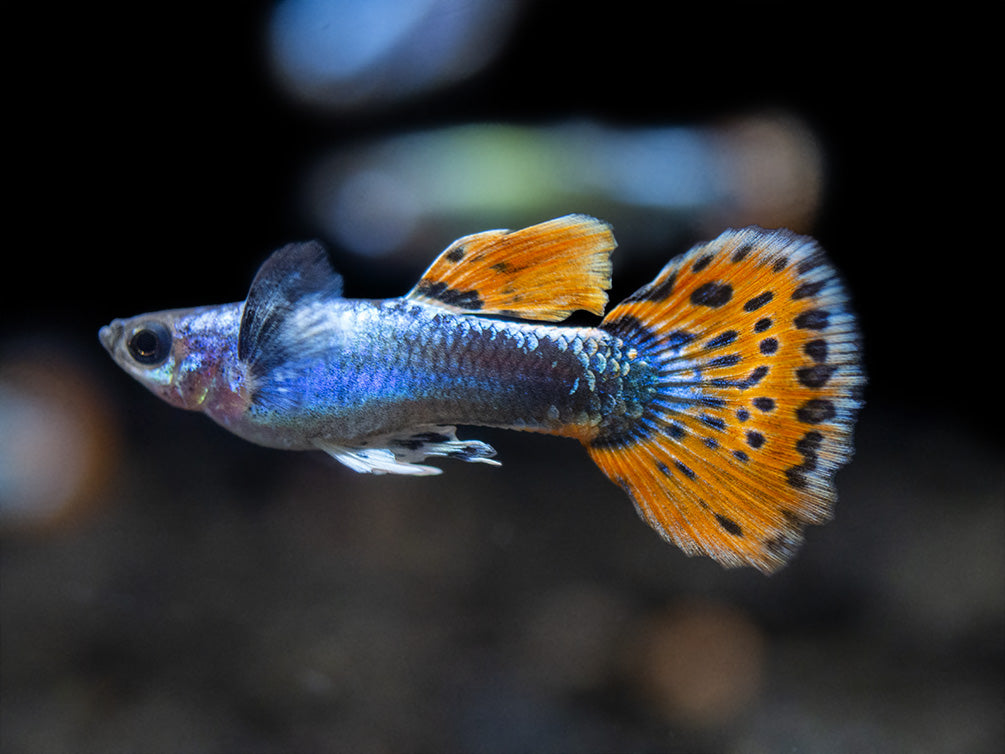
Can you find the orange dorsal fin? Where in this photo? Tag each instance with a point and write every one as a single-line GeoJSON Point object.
{"type": "Point", "coordinates": [544, 272]}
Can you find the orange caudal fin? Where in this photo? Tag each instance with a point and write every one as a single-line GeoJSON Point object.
{"type": "Point", "coordinates": [544, 272]}
{"type": "Point", "coordinates": [759, 376]}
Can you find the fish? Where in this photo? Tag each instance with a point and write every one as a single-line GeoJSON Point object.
{"type": "Point", "coordinates": [721, 397]}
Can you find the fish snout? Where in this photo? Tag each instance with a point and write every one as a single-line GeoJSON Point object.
{"type": "Point", "coordinates": [109, 335]}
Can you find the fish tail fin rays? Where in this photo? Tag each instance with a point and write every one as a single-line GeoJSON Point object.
{"type": "Point", "coordinates": [758, 377]}
{"type": "Point", "coordinates": [544, 272]}
{"type": "Point", "coordinates": [402, 452]}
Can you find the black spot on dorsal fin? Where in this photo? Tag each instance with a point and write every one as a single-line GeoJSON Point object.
{"type": "Point", "coordinates": [544, 272]}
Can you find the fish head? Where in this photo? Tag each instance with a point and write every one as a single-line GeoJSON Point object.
{"type": "Point", "coordinates": [179, 355]}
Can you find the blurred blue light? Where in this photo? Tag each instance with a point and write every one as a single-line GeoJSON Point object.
{"type": "Point", "coordinates": [660, 167]}
{"type": "Point", "coordinates": [349, 53]}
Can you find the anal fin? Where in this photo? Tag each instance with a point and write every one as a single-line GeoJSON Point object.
{"type": "Point", "coordinates": [544, 272]}
{"type": "Point", "coordinates": [402, 452]}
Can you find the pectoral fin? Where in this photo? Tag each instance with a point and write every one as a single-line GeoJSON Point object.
{"type": "Point", "coordinates": [544, 272]}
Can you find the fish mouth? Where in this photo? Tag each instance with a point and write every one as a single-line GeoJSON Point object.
{"type": "Point", "coordinates": [109, 335]}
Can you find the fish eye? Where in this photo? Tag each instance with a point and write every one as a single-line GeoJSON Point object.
{"type": "Point", "coordinates": [150, 344]}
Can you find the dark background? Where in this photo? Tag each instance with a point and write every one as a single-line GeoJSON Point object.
{"type": "Point", "coordinates": [225, 597]}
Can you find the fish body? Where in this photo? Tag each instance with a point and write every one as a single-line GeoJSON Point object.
{"type": "Point", "coordinates": [389, 365]}
{"type": "Point", "coordinates": [720, 397]}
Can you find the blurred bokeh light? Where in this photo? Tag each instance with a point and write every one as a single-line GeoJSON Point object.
{"type": "Point", "coordinates": [58, 442]}
{"type": "Point", "coordinates": [654, 184]}
{"type": "Point", "coordinates": [345, 54]}
{"type": "Point", "coordinates": [700, 664]}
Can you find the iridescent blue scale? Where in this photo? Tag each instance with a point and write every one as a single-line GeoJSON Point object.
{"type": "Point", "coordinates": [394, 364]}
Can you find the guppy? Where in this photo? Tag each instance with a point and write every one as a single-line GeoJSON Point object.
{"type": "Point", "coordinates": [721, 396]}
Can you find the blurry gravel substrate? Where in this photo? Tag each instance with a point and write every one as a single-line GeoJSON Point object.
{"type": "Point", "coordinates": [230, 598]}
